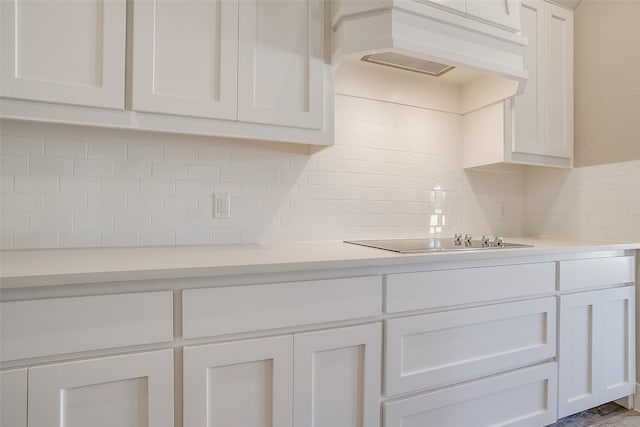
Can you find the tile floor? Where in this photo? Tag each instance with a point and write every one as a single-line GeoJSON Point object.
{"type": "Point", "coordinates": [607, 415]}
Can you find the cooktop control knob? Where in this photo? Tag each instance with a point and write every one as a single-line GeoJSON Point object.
{"type": "Point", "coordinates": [486, 241]}
{"type": "Point", "coordinates": [457, 239]}
{"type": "Point", "coordinates": [468, 239]}
{"type": "Point", "coordinates": [499, 242]}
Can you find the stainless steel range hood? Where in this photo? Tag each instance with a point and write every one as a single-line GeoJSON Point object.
{"type": "Point", "coordinates": [419, 35]}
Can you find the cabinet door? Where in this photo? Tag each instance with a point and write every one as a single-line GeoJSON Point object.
{"type": "Point", "coordinates": [185, 57]}
{"type": "Point", "coordinates": [337, 377]}
{"type": "Point", "coordinates": [579, 357]}
{"type": "Point", "coordinates": [501, 13]}
{"type": "Point", "coordinates": [126, 391]}
{"type": "Point", "coordinates": [13, 398]}
{"type": "Point", "coordinates": [64, 51]}
{"type": "Point", "coordinates": [239, 384]}
{"type": "Point", "coordinates": [280, 71]}
{"type": "Point", "coordinates": [618, 343]}
{"type": "Point", "coordinates": [528, 107]}
{"type": "Point", "coordinates": [558, 88]}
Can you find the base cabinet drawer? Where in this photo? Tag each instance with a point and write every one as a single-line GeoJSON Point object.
{"type": "Point", "coordinates": [46, 327]}
{"type": "Point", "coordinates": [596, 272]}
{"type": "Point", "coordinates": [434, 350]}
{"type": "Point", "coordinates": [522, 398]}
{"type": "Point", "coordinates": [441, 288]}
{"type": "Point", "coordinates": [235, 309]}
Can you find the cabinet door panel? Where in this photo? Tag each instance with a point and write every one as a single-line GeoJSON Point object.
{"type": "Point", "coordinates": [559, 81]}
{"type": "Point", "coordinates": [185, 57]}
{"type": "Point", "coordinates": [529, 107]}
{"type": "Point", "coordinates": [337, 377]}
{"type": "Point", "coordinates": [237, 384]}
{"type": "Point", "coordinates": [618, 343]}
{"type": "Point", "coordinates": [64, 51]}
{"type": "Point", "coordinates": [13, 398]}
{"type": "Point", "coordinates": [578, 355]}
{"type": "Point", "coordinates": [281, 62]}
{"type": "Point", "coordinates": [128, 391]}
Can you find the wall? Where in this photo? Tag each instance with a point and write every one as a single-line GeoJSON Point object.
{"type": "Point", "coordinates": [607, 88]}
{"type": "Point", "coordinates": [394, 171]}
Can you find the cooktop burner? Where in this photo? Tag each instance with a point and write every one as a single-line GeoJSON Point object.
{"type": "Point", "coordinates": [436, 245]}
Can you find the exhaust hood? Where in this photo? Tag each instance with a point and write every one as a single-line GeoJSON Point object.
{"type": "Point", "coordinates": [426, 37]}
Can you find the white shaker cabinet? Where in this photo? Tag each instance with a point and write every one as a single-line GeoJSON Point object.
{"type": "Point", "coordinates": [253, 61]}
{"type": "Point", "coordinates": [337, 377]}
{"type": "Point", "coordinates": [535, 127]}
{"type": "Point", "coordinates": [64, 51]}
{"type": "Point", "coordinates": [329, 377]}
{"type": "Point", "coordinates": [236, 384]}
{"type": "Point", "coordinates": [500, 13]}
{"type": "Point", "coordinates": [134, 390]}
{"type": "Point", "coordinates": [596, 348]}
{"type": "Point", "coordinates": [185, 56]}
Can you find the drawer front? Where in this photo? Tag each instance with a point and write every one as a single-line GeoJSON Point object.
{"type": "Point", "coordinates": [67, 325]}
{"type": "Point", "coordinates": [526, 397]}
{"type": "Point", "coordinates": [433, 350]}
{"type": "Point", "coordinates": [423, 290]}
{"type": "Point", "coordinates": [590, 273]}
{"type": "Point", "coordinates": [234, 309]}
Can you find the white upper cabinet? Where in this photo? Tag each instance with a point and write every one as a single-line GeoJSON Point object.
{"type": "Point", "coordinates": [280, 78]}
{"type": "Point", "coordinates": [536, 127]}
{"type": "Point", "coordinates": [64, 51]}
{"type": "Point", "coordinates": [185, 57]}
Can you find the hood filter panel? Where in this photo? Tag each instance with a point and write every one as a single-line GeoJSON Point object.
{"type": "Point", "coordinates": [396, 60]}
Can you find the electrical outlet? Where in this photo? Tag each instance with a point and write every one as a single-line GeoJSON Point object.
{"type": "Point", "coordinates": [222, 205]}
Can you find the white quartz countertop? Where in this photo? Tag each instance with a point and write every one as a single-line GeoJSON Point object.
{"type": "Point", "coordinates": [33, 268]}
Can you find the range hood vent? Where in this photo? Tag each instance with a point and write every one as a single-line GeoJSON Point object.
{"type": "Point", "coordinates": [421, 36]}
{"type": "Point", "coordinates": [404, 62]}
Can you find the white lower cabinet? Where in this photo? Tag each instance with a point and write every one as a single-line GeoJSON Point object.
{"type": "Point", "coordinates": [323, 378]}
{"type": "Point", "coordinates": [13, 398]}
{"type": "Point", "coordinates": [525, 397]}
{"type": "Point", "coordinates": [134, 390]}
{"type": "Point", "coordinates": [596, 348]}
{"type": "Point", "coordinates": [433, 350]}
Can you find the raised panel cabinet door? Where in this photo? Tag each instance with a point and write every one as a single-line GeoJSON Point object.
{"type": "Point", "coordinates": [281, 62]}
{"type": "Point", "coordinates": [558, 88]}
{"type": "Point", "coordinates": [185, 57]}
{"type": "Point", "coordinates": [239, 384]}
{"type": "Point", "coordinates": [618, 344]}
{"type": "Point", "coordinates": [64, 51]}
{"type": "Point", "coordinates": [134, 390]}
{"type": "Point", "coordinates": [501, 13]}
{"type": "Point", "coordinates": [529, 107]}
{"type": "Point", "coordinates": [13, 398]}
{"type": "Point", "coordinates": [337, 377]}
{"type": "Point", "coordinates": [579, 355]}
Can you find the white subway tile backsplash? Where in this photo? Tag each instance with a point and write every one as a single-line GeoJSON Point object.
{"type": "Point", "coordinates": [120, 185]}
{"type": "Point", "coordinates": [11, 145]}
{"type": "Point", "coordinates": [36, 239]}
{"type": "Point", "coordinates": [65, 148]}
{"type": "Point", "coordinates": [22, 202]}
{"type": "Point", "coordinates": [377, 181]}
{"type": "Point", "coordinates": [145, 153]}
{"type": "Point", "coordinates": [93, 168]}
{"type": "Point", "coordinates": [106, 151]}
{"type": "Point", "coordinates": [79, 185]}
{"type": "Point", "coordinates": [36, 184]}
{"type": "Point", "coordinates": [40, 166]}
{"type": "Point", "coordinates": [14, 164]}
